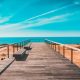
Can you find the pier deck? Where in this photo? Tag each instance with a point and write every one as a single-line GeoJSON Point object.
{"type": "Point", "coordinates": [42, 63]}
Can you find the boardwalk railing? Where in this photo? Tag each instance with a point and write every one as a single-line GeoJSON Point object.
{"type": "Point", "coordinates": [57, 47]}
{"type": "Point", "coordinates": [7, 50]}
{"type": "Point", "coordinates": [18, 46]}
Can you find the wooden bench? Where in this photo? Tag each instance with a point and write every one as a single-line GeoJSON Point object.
{"type": "Point", "coordinates": [5, 63]}
{"type": "Point", "coordinates": [19, 53]}
{"type": "Point", "coordinates": [28, 46]}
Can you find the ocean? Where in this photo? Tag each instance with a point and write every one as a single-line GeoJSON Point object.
{"type": "Point", "coordinates": [64, 40]}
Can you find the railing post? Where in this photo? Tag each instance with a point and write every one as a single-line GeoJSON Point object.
{"type": "Point", "coordinates": [63, 51]}
{"type": "Point", "coordinates": [55, 46]}
{"type": "Point", "coordinates": [62, 48]}
{"type": "Point", "coordinates": [71, 55]}
{"type": "Point", "coordinates": [13, 49]}
{"type": "Point", "coordinates": [52, 45]}
{"type": "Point", "coordinates": [8, 50]}
{"type": "Point", "coordinates": [58, 48]}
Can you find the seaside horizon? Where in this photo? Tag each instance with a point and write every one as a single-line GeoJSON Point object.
{"type": "Point", "coordinates": [64, 40]}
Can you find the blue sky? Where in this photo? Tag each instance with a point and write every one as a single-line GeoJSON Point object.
{"type": "Point", "coordinates": [35, 18]}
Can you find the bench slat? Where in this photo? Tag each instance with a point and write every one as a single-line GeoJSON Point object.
{"type": "Point", "coordinates": [28, 46]}
{"type": "Point", "coordinates": [20, 52]}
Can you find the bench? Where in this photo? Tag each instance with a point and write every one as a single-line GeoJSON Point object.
{"type": "Point", "coordinates": [20, 52]}
{"type": "Point", "coordinates": [4, 64]}
{"type": "Point", "coordinates": [28, 46]}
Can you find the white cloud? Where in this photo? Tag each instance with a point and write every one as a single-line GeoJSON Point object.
{"type": "Point", "coordinates": [13, 29]}
{"type": "Point", "coordinates": [4, 19]}
{"type": "Point", "coordinates": [29, 24]}
{"type": "Point", "coordinates": [35, 23]}
{"type": "Point", "coordinates": [34, 33]}
{"type": "Point", "coordinates": [43, 21]}
{"type": "Point", "coordinates": [46, 13]}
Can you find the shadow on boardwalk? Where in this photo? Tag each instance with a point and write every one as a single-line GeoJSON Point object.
{"type": "Point", "coordinates": [22, 58]}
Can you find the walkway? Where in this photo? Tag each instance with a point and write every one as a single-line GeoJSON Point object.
{"type": "Point", "coordinates": [42, 63]}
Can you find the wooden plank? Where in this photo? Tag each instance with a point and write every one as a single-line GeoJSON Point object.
{"type": "Point", "coordinates": [42, 64]}
{"type": "Point", "coordinates": [20, 52]}
{"type": "Point", "coordinates": [5, 63]}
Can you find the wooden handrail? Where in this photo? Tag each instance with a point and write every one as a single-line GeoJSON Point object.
{"type": "Point", "coordinates": [64, 46]}
{"type": "Point", "coordinates": [18, 45]}
{"type": "Point", "coordinates": [70, 47]}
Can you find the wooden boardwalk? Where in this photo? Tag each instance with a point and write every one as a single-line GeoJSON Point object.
{"type": "Point", "coordinates": [42, 63]}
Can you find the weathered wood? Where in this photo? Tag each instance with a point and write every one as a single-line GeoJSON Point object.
{"type": "Point", "coordinates": [5, 63]}
{"type": "Point", "coordinates": [43, 63]}
{"type": "Point", "coordinates": [19, 53]}
{"type": "Point", "coordinates": [63, 51]}
{"type": "Point", "coordinates": [72, 55]}
{"type": "Point", "coordinates": [8, 50]}
{"type": "Point", "coordinates": [28, 46]}
{"type": "Point", "coordinates": [67, 46]}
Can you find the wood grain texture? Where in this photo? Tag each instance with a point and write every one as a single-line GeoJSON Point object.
{"type": "Point", "coordinates": [42, 63]}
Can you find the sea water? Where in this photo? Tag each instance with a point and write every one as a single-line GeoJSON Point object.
{"type": "Point", "coordinates": [64, 40]}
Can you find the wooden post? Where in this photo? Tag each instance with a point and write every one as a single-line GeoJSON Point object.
{"type": "Point", "coordinates": [13, 49]}
{"type": "Point", "coordinates": [72, 55]}
{"type": "Point", "coordinates": [63, 51]}
{"type": "Point", "coordinates": [52, 45]}
{"type": "Point", "coordinates": [58, 48]}
{"type": "Point", "coordinates": [55, 46]}
{"type": "Point", "coordinates": [8, 50]}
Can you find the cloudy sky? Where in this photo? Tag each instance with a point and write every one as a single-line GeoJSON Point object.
{"type": "Point", "coordinates": [31, 18]}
